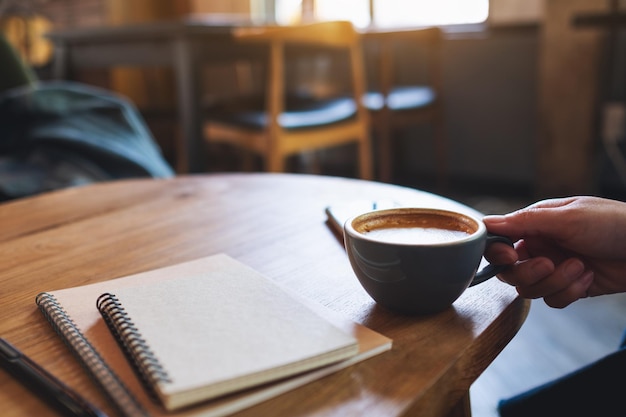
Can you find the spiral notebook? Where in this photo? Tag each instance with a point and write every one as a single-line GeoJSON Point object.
{"type": "Point", "coordinates": [283, 341]}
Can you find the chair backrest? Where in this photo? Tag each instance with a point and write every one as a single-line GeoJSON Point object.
{"type": "Point", "coordinates": [383, 50]}
{"type": "Point", "coordinates": [328, 34]}
{"type": "Point", "coordinates": [311, 49]}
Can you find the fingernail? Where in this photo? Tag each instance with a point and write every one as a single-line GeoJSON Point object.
{"type": "Point", "coordinates": [587, 277]}
{"type": "Point", "coordinates": [585, 281]}
{"type": "Point", "coordinates": [494, 219]}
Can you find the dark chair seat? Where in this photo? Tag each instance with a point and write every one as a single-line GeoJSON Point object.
{"type": "Point", "coordinates": [401, 98]}
{"type": "Point", "coordinates": [301, 112]}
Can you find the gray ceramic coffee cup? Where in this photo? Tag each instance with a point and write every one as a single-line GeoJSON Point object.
{"type": "Point", "coordinates": [415, 274]}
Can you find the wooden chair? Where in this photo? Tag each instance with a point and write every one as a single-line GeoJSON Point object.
{"type": "Point", "coordinates": [398, 100]}
{"type": "Point", "coordinates": [281, 123]}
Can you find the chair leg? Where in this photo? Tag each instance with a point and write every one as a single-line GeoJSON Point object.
{"type": "Point", "coordinates": [441, 149]}
{"type": "Point", "coordinates": [366, 169]}
{"type": "Point", "coordinates": [274, 162]}
{"type": "Point", "coordinates": [247, 160]}
{"type": "Point", "coordinates": [384, 137]}
{"type": "Point", "coordinates": [315, 162]}
{"type": "Point", "coordinates": [385, 152]}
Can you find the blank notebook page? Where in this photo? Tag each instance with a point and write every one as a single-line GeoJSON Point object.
{"type": "Point", "coordinates": [226, 327]}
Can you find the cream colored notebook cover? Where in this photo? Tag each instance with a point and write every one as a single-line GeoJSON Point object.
{"type": "Point", "coordinates": [214, 326]}
{"type": "Point", "coordinates": [221, 329]}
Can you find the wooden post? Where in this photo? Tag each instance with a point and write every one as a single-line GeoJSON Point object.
{"type": "Point", "coordinates": [568, 90]}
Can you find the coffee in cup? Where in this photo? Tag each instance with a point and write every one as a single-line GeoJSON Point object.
{"type": "Point", "coordinates": [418, 260]}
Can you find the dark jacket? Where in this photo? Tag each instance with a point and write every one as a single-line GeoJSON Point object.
{"type": "Point", "coordinates": [59, 134]}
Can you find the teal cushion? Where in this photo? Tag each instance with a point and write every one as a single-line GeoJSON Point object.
{"type": "Point", "coordinates": [301, 112]}
{"type": "Point", "coordinates": [401, 98]}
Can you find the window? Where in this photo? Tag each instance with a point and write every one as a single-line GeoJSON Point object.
{"type": "Point", "coordinates": [385, 13]}
{"type": "Point", "coordinates": [389, 13]}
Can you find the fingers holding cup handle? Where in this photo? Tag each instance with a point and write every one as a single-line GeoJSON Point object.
{"type": "Point", "coordinates": [490, 271]}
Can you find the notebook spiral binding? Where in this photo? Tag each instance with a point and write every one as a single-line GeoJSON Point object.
{"type": "Point", "coordinates": [135, 348]}
{"type": "Point", "coordinates": [89, 357]}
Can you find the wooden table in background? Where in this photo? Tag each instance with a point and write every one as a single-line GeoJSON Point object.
{"type": "Point", "coordinates": [182, 45]}
{"type": "Point", "coordinates": [276, 224]}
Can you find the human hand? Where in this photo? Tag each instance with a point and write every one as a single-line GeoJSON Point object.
{"type": "Point", "coordinates": [565, 249]}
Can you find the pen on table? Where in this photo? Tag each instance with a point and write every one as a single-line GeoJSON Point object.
{"type": "Point", "coordinates": [44, 384]}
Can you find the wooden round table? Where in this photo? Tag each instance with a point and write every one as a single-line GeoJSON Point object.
{"type": "Point", "coordinates": [274, 223]}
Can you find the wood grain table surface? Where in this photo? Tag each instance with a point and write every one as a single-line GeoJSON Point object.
{"type": "Point", "coordinates": [276, 224]}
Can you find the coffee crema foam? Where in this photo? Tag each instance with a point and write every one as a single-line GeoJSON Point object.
{"type": "Point", "coordinates": [416, 235]}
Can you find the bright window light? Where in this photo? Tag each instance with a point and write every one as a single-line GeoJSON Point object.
{"type": "Point", "coordinates": [429, 12]}
{"type": "Point", "coordinates": [288, 12]}
{"type": "Point", "coordinates": [357, 11]}
{"type": "Point", "coordinates": [390, 13]}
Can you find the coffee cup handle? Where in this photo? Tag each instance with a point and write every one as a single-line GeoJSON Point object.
{"type": "Point", "coordinates": [490, 270]}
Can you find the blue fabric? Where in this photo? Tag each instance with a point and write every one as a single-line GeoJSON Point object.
{"type": "Point", "coordinates": [595, 390]}
{"type": "Point", "coordinates": [59, 134]}
{"type": "Point", "coordinates": [401, 98]}
{"type": "Point", "coordinates": [300, 112]}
